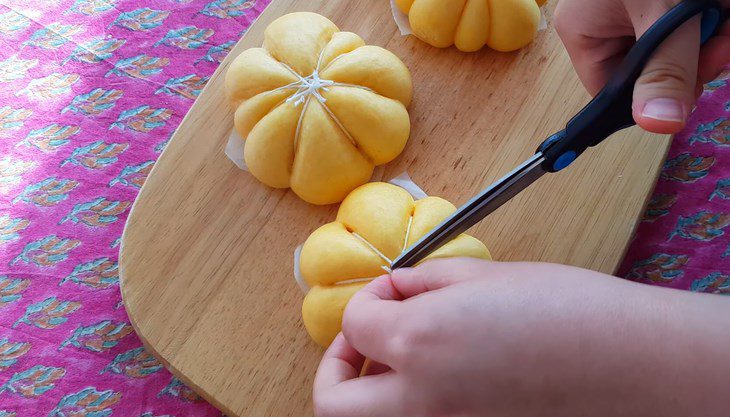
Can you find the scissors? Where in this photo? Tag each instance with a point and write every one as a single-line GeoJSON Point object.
{"type": "Point", "coordinates": [608, 113]}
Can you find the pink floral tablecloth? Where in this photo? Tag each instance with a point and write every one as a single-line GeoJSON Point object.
{"type": "Point", "coordinates": [683, 240]}
{"type": "Point", "coordinates": [90, 92]}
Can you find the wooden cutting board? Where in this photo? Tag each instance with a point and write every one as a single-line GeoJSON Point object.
{"type": "Point", "coordinates": [206, 258]}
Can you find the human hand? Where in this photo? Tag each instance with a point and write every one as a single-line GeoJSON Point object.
{"type": "Point", "coordinates": [463, 337]}
{"type": "Point", "coordinates": [598, 33]}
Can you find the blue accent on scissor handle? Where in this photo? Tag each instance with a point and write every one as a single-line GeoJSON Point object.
{"type": "Point", "coordinates": [610, 111]}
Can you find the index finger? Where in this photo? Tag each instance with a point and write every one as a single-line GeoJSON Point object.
{"type": "Point", "coordinates": [597, 45]}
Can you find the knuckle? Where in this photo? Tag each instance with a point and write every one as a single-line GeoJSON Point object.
{"type": "Point", "coordinates": [440, 281]}
{"type": "Point", "coordinates": [667, 74]}
{"type": "Point", "coordinates": [412, 338]}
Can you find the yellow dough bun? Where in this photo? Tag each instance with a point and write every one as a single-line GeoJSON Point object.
{"type": "Point", "coordinates": [374, 224]}
{"type": "Point", "coordinates": [503, 25]}
{"type": "Point", "coordinates": [317, 108]}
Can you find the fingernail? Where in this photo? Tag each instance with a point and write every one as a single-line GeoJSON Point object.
{"type": "Point", "coordinates": [401, 272]}
{"type": "Point", "coordinates": [667, 109]}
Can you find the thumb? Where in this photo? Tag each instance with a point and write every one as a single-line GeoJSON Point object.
{"type": "Point", "coordinates": [665, 91]}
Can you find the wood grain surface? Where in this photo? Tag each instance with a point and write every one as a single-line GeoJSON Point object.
{"type": "Point", "coordinates": [206, 257]}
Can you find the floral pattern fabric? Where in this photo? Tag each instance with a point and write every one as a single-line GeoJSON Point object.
{"type": "Point", "coordinates": [683, 240]}
{"type": "Point", "coordinates": [90, 92]}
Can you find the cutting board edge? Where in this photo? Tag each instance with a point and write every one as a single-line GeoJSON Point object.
{"type": "Point", "coordinates": [647, 198]}
{"type": "Point", "coordinates": [174, 371]}
{"type": "Point", "coordinates": [149, 346]}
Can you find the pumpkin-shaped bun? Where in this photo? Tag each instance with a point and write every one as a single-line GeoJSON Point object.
{"type": "Point", "coordinates": [503, 25]}
{"type": "Point", "coordinates": [317, 108]}
{"type": "Point", "coordinates": [375, 223]}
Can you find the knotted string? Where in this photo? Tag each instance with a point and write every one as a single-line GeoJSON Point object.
{"type": "Point", "coordinates": [310, 87]}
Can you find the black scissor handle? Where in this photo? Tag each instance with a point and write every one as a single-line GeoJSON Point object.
{"type": "Point", "coordinates": [610, 109]}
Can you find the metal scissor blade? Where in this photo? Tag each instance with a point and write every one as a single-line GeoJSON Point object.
{"type": "Point", "coordinates": [473, 211]}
